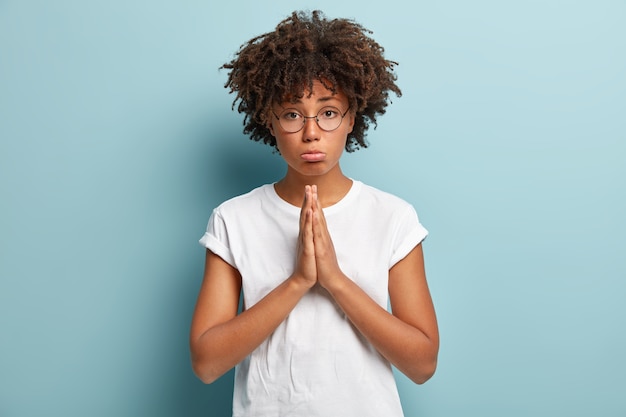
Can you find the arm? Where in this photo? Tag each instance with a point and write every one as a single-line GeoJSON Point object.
{"type": "Point", "coordinates": [409, 337]}
{"type": "Point", "coordinates": [220, 338]}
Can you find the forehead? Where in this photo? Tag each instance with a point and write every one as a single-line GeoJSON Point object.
{"type": "Point", "coordinates": [317, 92]}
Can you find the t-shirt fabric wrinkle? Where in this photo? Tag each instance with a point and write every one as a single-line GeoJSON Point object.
{"type": "Point", "coordinates": [315, 363]}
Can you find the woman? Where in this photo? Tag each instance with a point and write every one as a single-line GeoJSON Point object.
{"type": "Point", "coordinates": [317, 254]}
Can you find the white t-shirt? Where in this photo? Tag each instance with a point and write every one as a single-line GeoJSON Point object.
{"type": "Point", "coordinates": [316, 363]}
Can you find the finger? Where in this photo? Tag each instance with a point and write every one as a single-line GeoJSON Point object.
{"type": "Point", "coordinates": [315, 204]}
{"type": "Point", "coordinates": [306, 203]}
{"type": "Point", "coordinates": [320, 218]}
{"type": "Point", "coordinates": [320, 231]}
{"type": "Point", "coordinates": [308, 247]}
{"type": "Point", "coordinates": [315, 207]}
{"type": "Point", "coordinates": [308, 224]}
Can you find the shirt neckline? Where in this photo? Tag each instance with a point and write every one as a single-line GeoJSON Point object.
{"type": "Point", "coordinates": [290, 208]}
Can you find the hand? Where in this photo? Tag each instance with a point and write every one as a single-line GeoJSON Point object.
{"type": "Point", "coordinates": [328, 270]}
{"type": "Point", "coordinates": [306, 269]}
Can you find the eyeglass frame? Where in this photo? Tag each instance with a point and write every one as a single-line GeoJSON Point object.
{"type": "Point", "coordinates": [312, 117]}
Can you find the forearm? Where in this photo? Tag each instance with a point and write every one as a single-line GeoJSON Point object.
{"type": "Point", "coordinates": [407, 347]}
{"type": "Point", "coordinates": [223, 346]}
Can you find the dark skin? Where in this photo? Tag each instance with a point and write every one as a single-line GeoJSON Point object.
{"type": "Point", "coordinates": [303, 48]}
{"type": "Point", "coordinates": [408, 337]}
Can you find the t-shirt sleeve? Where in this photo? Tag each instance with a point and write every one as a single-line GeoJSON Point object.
{"type": "Point", "coordinates": [408, 234]}
{"type": "Point", "coordinates": [216, 239]}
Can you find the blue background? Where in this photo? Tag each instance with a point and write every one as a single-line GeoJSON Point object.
{"type": "Point", "coordinates": [117, 139]}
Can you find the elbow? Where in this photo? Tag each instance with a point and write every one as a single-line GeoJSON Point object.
{"type": "Point", "coordinates": [206, 378]}
{"type": "Point", "coordinates": [424, 373]}
{"type": "Point", "coordinates": [422, 369]}
{"type": "Point", "coordinates": [206, 364]}
{"type": "Point", "coordinates": [201, 364]}
{"type": "Point", "coordinates": [204, 372]}
{"type": "Point", "coordinates": [204, 368]}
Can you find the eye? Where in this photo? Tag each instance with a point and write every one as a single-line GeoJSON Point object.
{"type": "Point", "coordinates": [290, 115]}
{"type": "Point", "coordinates": [328, 113]}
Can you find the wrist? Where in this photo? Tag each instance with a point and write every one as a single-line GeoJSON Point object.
{"type": "Point", "coordinates": [336, 284]}
{"type": "Point", "coordinates": [300, 283]}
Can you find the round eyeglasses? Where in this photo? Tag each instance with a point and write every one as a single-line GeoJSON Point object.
{"type": "Point", "coordinates": [328, 119]}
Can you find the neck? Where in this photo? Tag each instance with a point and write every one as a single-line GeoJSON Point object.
{"type": "Point", "coordinates": [331, 187]}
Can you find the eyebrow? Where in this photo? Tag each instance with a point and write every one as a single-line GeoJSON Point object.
{"type": "Point", "coordinates": [327, 98]}
{"type": "Point", "coordinates": [323, 99]}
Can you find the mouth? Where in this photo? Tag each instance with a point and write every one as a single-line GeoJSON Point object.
{"type": "Point", "coordinates": [313, 156]}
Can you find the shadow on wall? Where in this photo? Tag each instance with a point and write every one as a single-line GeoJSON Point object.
{"type": "Point", "coordinates": [191, 396]}
{"type": "Point", "coordinates": [224, 163]}
{"type": "Point", "coordinates": [237, 164]}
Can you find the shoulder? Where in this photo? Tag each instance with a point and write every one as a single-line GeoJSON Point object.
{"type": "Point", "coordinates": [244, 202]}
{"type": "Point", "coordinates": [386, 208]}
{"type": "Point", "coordinates": [381, 199]}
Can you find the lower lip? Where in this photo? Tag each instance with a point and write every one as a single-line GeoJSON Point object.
{"type": "Point", "coordinates": [313, 157]}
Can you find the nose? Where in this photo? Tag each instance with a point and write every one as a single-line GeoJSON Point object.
{"type": "Point", "coordinates": [310, 131]}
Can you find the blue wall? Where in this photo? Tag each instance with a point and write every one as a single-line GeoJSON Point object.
{"type": "Point", "coordinates": [117, 139]}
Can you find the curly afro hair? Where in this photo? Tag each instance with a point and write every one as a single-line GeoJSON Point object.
{"type": "Point", "coordinates": [304, 48]}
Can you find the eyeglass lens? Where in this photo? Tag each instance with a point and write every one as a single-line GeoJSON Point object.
{"type": "Point", "coordinates": [328, 119]}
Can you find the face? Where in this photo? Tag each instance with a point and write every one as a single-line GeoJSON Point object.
{"type": "Point", "coordinates": [312, 151]}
